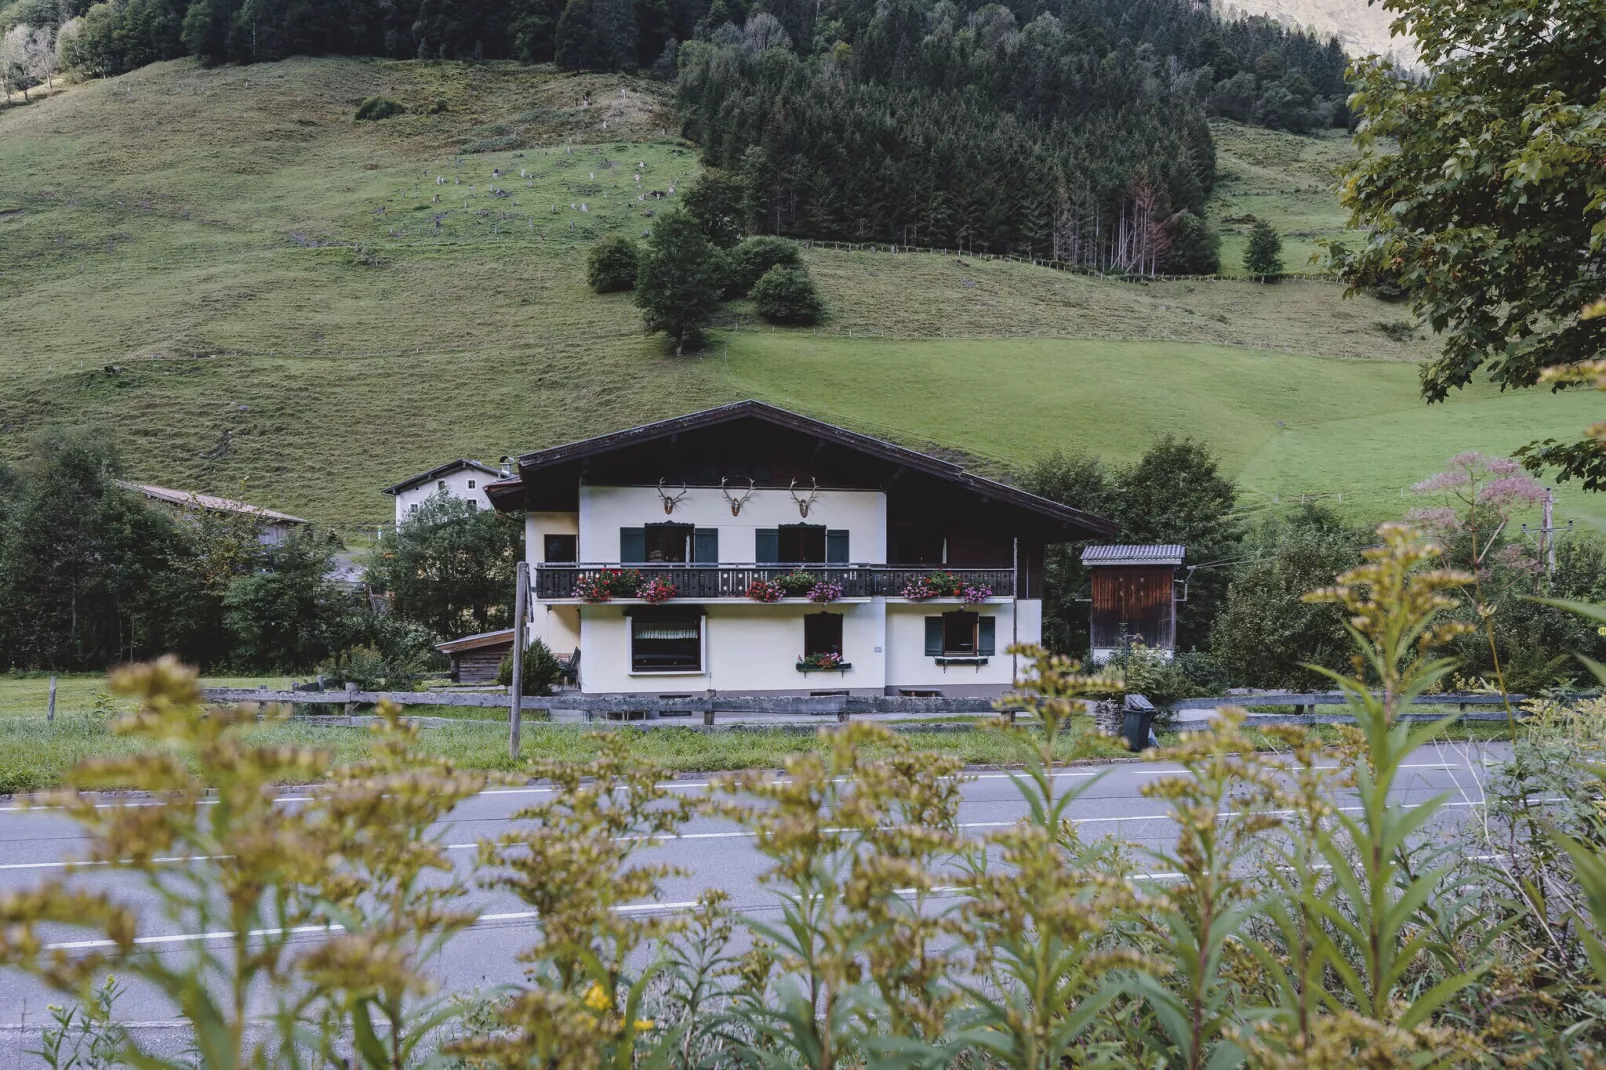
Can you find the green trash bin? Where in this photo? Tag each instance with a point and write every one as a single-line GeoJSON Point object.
{"type": "Point", "coordinates": [1138, 724]}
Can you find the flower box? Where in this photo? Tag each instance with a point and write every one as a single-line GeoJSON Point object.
{"type": "Point", "coordinates": [822, 663]}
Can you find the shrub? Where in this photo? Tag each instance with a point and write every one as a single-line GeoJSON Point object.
{"type": "Point", "coordinates": [787, 295]}
{"type": "Point", "coordinates": [373, 109]}
{"type": "Point", "coordinates": [1266, 634]}
{"type": "Point", "coordinates": [541, 670]}
{"type": "Point", "coordinates": [752, 258]}
{"type": "Point", "coordinates": [371, 670]}
{"type": "Point", "coordinates": [1195, 247]}
{"type": "Point", "coordinates": [611, 266]}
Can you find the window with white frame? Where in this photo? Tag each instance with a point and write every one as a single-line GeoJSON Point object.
{"type": "Point", "coordinates": [961, 634]}
{"type": "Point", "coordinates": [666, 640]}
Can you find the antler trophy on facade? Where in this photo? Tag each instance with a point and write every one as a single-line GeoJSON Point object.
{"type": "Point", "coordinates": [737, 503]}
{"type": "Point", "coordinates": [671, 502]}
{"type": "Point", "coordinates": [803, 504]}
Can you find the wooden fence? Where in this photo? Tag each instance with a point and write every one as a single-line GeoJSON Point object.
{"type": "Point", "coordinates": [1048, 262]}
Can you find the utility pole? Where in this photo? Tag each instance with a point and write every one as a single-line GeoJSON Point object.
{"type": "Point", "coordinates": [521, 605]}
{"type": "Point", "coordinates": [1547, 537]}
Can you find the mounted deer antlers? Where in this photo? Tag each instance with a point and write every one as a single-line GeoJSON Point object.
{"type": "Point", "coordinates": [737, 503]}
{"type": "Point", "coordinates": [671, 502]}
{"type": "Point", "coordinates": [804, 503]}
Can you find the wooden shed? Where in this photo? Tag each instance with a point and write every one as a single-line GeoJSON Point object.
{"type": "Point", "coordinates": [1134, 597]}
{"type": "Point", "coordinates": [475, 658]}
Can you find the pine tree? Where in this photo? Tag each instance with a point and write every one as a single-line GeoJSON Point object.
{"type": "Point", "coordinates": [1263, 257]}
{"type": "Point", "coordinates": [679, 278]}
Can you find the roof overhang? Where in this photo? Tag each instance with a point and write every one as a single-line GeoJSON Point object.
{"type": "Point", "coordinates": [1159, 554]}
{"type": "Point", "coordinates": [547, 480]}
{"type": "Point", "coordinates": [440, 470]}
{"type": "Point", "coordinates": [475, 642]}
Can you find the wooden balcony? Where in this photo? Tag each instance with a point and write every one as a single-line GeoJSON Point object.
{"type": "Point", "coordinates": [556, 583]}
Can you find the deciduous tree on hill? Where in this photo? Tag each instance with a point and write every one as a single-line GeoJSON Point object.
{"type": "Point", "coordinates": [679, 279]}
{"type": "Point", "coordinates": [1483, 187]}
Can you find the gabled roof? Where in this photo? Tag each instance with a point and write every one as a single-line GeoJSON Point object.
{"type": "Point", "coordinates": [574, 457]}
{"type": "Point", "coordinates": [189, 499]}
{"type": "Point", "coordinates": [441, 470]}
{"type": "Point", "coordinates": [1135, 554]}
{"type": "Point", "coordinates": [475, 642]}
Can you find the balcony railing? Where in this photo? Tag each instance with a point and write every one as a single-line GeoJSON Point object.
{"type": "Point", "coordinates": [554, 583]}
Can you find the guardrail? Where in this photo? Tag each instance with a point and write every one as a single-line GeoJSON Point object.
{"type": "Point", "coordinates": [622, 706]}
{"type": "Point", "coordinates": [1308, 700]}
{"type": "Point", "coordinates": [732, 708]}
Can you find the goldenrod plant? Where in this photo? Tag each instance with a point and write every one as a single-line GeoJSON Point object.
{"type": "Point", "coordinates": [1039, 900]}
{"type": "Point", "coordinates": [1304, 913]}
{"type": "Point", "coordinates": [389, 892]}
{"type": "Point", "coordinates": [570, 857]}
{"type": "Point", "coordinates": [218, 855]}
{"type": "Point", "coordinates": [1224, 801]}
{"type": "Point", "coordinates": [855, 845]}
{"type": "Point", "coordinates": [1385, 921]}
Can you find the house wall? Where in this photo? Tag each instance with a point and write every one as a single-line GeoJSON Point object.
{"type": "Point", "coordinates": [539, 525]}
{"type": "Point", "coordinates": [604, 510]}
{"type": "Point", "coordinates": [480, 665]}
{"type": "Point", "coordinates": [909, 667]}
{"type": "Point", "coordinates": [558, 627]}
{"type": "Point", "coordinates": [750, 648]}
{"type": "Point", "coordinates": [457, 486]}
{"type": "Point", "coordinates": [275, 533]}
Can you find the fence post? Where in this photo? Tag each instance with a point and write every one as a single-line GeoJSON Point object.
{"type": "Point", "coordinates": [262, 707]}
{"type": "Point", "coordinates": [351, 699]}
{"type": "Point", "coordinates": [50, 711]}
{"type": "Point", "coordinates": [521, 605]}
{"type": "Point", "coordinates": [708, 716]}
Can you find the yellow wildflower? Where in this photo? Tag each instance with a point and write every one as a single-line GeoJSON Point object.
{"type": "Point", "coordinates": [597, 999]}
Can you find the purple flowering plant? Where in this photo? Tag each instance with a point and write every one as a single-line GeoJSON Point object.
{"type": "Point", "coordinates": [825, 591]}
{"type": "Point", "coordinates": [1480, 496]}
{"type": "Point", "coordinates": [656, 590]}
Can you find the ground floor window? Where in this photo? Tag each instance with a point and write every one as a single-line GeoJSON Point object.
{"type": "Point", "coordinates": [666, 643]}
{"type": "Point", "coordinates": [822, 634]}
{"type": "Point", "coordinates": [961, 634]}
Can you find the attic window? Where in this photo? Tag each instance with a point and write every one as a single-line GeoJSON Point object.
{"type": "Point", "coordinates": [471, 484]}
{"type": "Point", "coordinates": [440, 484]}
{"type": "Point", "coordinates": [413, 508]}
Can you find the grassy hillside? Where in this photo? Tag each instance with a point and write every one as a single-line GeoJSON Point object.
{"type": "Point", "coordinates": [1285, 179]}
{"type": "Point", "coordinates": [249, 289]}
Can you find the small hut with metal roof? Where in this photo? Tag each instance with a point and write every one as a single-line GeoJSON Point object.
{"type": "Point", "coordinates": [1134, 597]}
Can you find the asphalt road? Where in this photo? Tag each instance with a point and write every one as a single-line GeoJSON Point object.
{"type": "Point", "coordinates": [36, 845]}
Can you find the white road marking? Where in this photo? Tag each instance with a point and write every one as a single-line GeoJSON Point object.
{"type": "Point", "coordinates": [332, 927]}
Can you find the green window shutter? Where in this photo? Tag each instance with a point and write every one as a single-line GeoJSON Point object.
{"type": "Point", "coordinates": [836, 547]}
{"type": "Point", "coordinates": [705, 546]}
{"type": "Point", "coordinates": [767, 546]}
{"type": "Point", "coordinates": [986, 635]}
{"type": "Point", "coordinates": [633, 545]}
{"type": "Point", "coordinates": [933, 637]}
